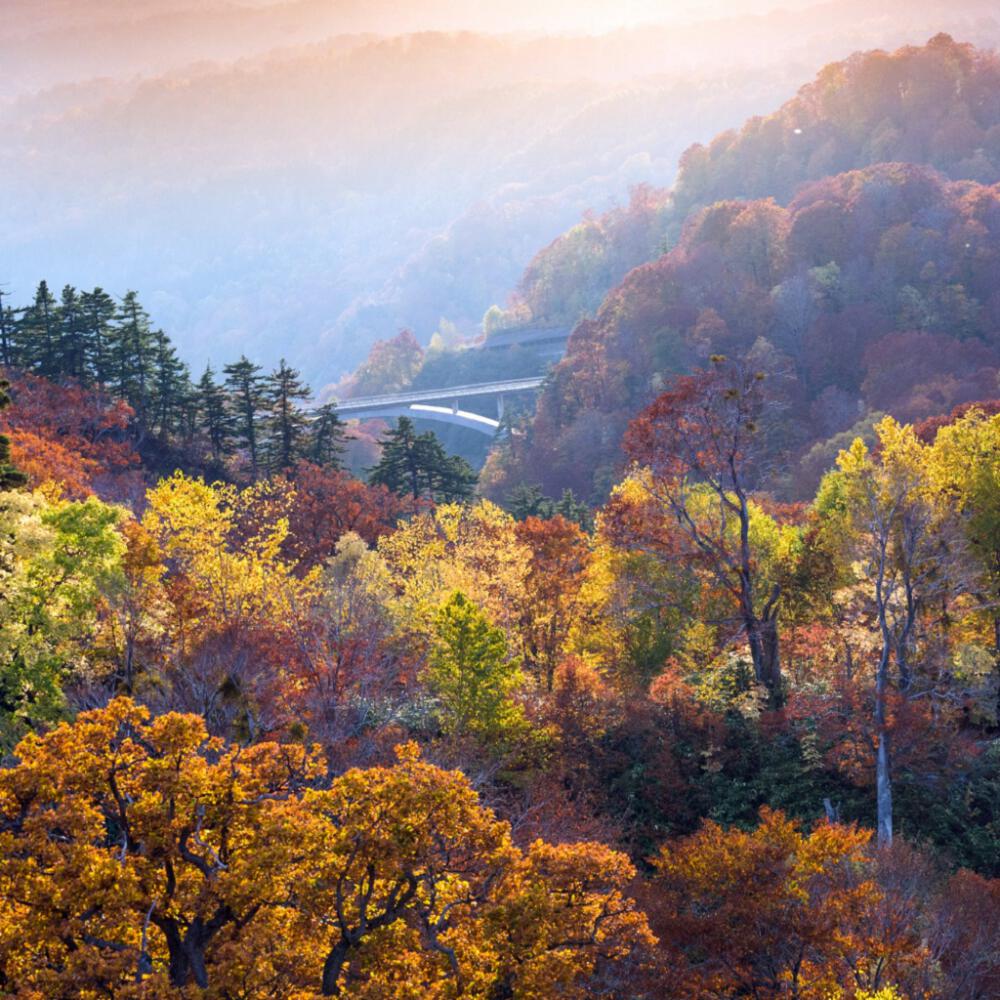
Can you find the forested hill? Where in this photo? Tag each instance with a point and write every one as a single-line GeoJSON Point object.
{"type": "Point", "coordinates": [853, 267]}
{"type": "Point", "coordinates": [300, 187]}
{"type": "Point", "coordinates": [938, 105]}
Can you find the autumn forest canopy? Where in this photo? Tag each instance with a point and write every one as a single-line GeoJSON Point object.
{"type": "Point", "coordinates": [685, 685]}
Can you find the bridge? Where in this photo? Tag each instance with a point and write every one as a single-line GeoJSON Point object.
{"type": "Point", "coordinates": [425, 405]}
{"type": "Point", "coordinates": [548, 342]}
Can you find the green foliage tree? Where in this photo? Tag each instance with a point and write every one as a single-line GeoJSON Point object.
{"type": "Point", "coordinates": [55, 560]}
{"type": "Point", "coordinates": [472, 675]}
{"type": "Point", "coordinates": [10, 477]}
{"type": "Point", "coordinates": [417, 465]}
{"type": "Point", "coordinates": [246, 387]}
{"type": "Point", "coordinates": [287, 423]}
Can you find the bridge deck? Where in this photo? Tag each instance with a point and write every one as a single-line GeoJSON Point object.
{"type": "Point", "coordinates": [348, 406]}
{"type": "Point", "coordinates": [533, 336]}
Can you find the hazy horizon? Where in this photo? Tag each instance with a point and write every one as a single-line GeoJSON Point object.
{"type": "Point", "coordinates": [303, 178]}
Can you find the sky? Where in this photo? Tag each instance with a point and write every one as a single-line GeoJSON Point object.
{"type": "Point", "coordinates": [388, 15]}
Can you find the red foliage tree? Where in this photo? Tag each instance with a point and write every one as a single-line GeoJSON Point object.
{"type": "Point", "coordinates": [76, 437]}
{"type": "Point", "coordinates": [698, 440]}
{"type": "Point", "coordinates": [327, 504]}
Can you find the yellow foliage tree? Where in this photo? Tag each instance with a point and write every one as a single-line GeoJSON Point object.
{"type": "Point", "coordinates": [237, 577]}
{"type": "Point", "coordinates": [898, 529]}
{"type": "Point", "coordinates": [965, 465]}
{"type": "Point", "coordinates": [138, 854]}
{"type": "Point", "coordinates": [474, 550]}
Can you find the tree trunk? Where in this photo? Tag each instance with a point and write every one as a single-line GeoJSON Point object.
{"type": "Point", "coordinates": [333, 966]}
{"type": "Point", "coordinates": [765, 652]}
{"type": "Point", "coordinates": [883, 780]}
{"type": "Point", "coordinates": [179, 957]}
{"type": "Point", "coordinates": [883, 786]}
{"type": "Point", "coordinates": [186, 951]}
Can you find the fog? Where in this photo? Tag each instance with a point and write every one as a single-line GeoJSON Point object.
{"type": "Point", "coordinates": [301, 179]}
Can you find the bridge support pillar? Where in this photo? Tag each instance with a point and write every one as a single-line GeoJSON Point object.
{"type": "Point", "coordinates": [500, 407]}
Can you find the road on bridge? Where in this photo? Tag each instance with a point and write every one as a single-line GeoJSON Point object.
{"type": "Point", "coordinates": [434, 395]}
{"type": "Point", "coordinates": [420, 404]}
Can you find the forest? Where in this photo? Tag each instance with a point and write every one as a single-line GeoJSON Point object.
{"type": "Point", "coordinates": [308, 736]}
{"type": "Point", "coordinates": [825, 239]}
{"type": "Point", "coordinates": [692, 692]}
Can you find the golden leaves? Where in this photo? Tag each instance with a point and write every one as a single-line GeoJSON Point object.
{"type": "Point", "coordinates": [142, 858]}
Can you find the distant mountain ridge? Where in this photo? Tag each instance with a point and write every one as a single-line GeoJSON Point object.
{"type": "Point", "coordinates": [310, 199]}
{"type": "Point", "coordinates": [851, 292]}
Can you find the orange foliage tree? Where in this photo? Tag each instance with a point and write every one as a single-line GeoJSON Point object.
{"type": "Point", "coordinates": [559, 558]}
{"type": "Point", "coordinates": [778, 913]}
{"type": "Point", "coordinates": [141, 858]}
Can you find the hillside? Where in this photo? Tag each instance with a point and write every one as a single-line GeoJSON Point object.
{"type": "Point", "coordinates": [327, 185]}
{"type": "Point", "coordinates": [340, 190]}
{"type": "Point", "coordinates": [934, 105]}
{"type": "Point", "coordinates": [823, 272]}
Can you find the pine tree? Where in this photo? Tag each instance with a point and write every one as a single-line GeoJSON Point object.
{"type": "Point", "coordinates": [328, 437]}
{"type": "Point", "coordinates": [243, 379]}
{"type": "Point", "coordinates": [99, 313]}
{"type": "Point", "coordinates": [527, 500]}
{"type": "Point", "coordinates": [10, 477]}
{"type": "Point", "coordinates": [71, 353]}
{"type": "Point", "coordinates": [214, 414]}
{"type": "Point", "coordinates": [400, 467]}
{"type": "Point", "coordinates": [451, 477]}
{"type": "Point", "coordinates": [416, 464]}
{"type": "Point", "coordinates": [170, 385]}
{"type": "Point", "coordinates": [133, 355]}
{"type": "Point", "coordinates": [574, 510]}
{"type": "Point", "coordinates": [7, 324]}
{"type": "Point", "coordinates": [35, 337]}
{"type": "Point", "coordinates": [287, 422]}
{"type": "Point", "coordinates": [188, 414]}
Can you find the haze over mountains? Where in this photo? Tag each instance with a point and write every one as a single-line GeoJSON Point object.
{"type": "Point", "coordinates": [302, 179]}
{"type": "Point", "coordinates": [48, 41]}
